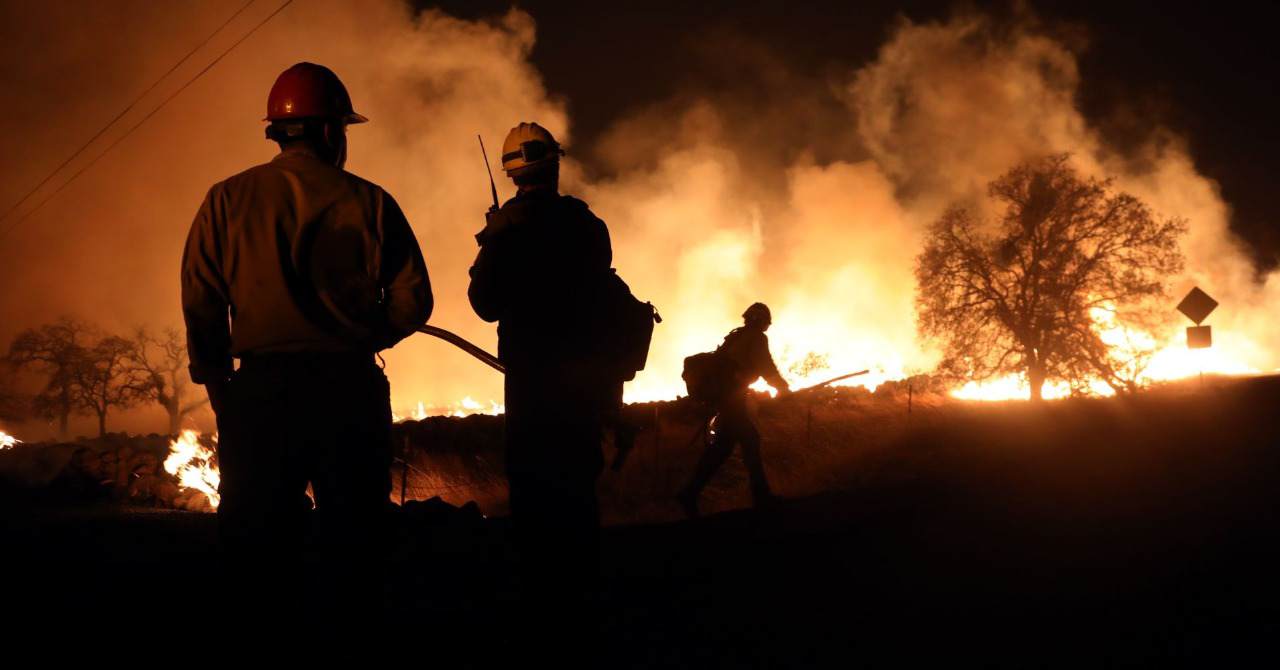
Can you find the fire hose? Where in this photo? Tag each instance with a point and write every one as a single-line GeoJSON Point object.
{"type": "Point", "coordinates": [461, 343]}
{"type": "Point", "coordinates": [493, 362]}
{"type": "Point", "coordinates": [465, 345]}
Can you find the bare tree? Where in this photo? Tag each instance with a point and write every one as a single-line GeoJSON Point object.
{"type": "Point", "coordinates": [1029, 294]}
{"type": "Point", "coordinates": [55, 350]}
{"type": "Point", "coordinates": [158, 364]}
{"type": "Point", "coordinates": [102, 379]}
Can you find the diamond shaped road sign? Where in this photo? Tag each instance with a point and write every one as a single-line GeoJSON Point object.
{"type": "Point", "coordinates": [1197, 305]}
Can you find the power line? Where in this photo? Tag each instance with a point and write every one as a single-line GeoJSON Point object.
{"type": "Point", "coordinates": [124, 111]}
{"type": "Point", "coordinates": [144, 119]}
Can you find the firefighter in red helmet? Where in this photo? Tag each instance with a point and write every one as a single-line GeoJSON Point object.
{"type": "Point", "coordinates": [310, 91]}
{"type": "Point", "coordinates": [303, 272]}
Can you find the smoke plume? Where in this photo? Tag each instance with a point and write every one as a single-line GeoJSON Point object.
{"type": "Point", "coordinates": [704, 220]}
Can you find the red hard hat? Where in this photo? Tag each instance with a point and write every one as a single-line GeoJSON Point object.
{"type": "Point", "coordinates": [307, 90]}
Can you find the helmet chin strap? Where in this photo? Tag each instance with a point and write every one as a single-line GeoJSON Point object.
{"type": "Point", "coordinates": [335, 137]}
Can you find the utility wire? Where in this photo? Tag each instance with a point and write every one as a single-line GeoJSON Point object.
{"type": "Point", "coordinates": [124, 111]}
{"type": "Point", "coordinates": [146, 118]}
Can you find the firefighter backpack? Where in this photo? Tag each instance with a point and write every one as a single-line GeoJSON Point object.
{"type": "Point", "coordinates": [707, 376]}
{"type": "Point", "coordinates": [628, 326]}
{"type": "Point", "coordinates": [711, 376]}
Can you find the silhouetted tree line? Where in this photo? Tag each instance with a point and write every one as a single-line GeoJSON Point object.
{"type": "Point", "coordinates": [91, 372]}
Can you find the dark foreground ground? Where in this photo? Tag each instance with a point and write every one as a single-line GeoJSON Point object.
{"type": "Point", "coordinates": [1129, 532]}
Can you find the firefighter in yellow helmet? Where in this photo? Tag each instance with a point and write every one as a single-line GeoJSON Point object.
{"type": "Point", "coordinates": [304, 272]}
{"type": "Point", "coordinates": [542, 254]}
{"type": "Point", "coordinates": [530, 148]}
{"type": "Point", "coordinates": [747, 356]}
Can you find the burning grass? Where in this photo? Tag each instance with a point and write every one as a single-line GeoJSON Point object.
{"type": "Point", "coordinates": [817, 442]}
{"type": "Point", "coordinates": [814, 443]}
{"type": "Point", "coordinates": [193, 465]}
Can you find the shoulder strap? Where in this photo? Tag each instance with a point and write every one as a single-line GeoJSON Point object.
{"type": "Point", "coordinates": [729, 339]}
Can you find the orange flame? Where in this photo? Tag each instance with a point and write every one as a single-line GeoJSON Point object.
{"type": "Point", "coordinates": [1169, 362]}
{"type": "Point", "coordinates": [7, 441]}
{"type": "Point", "coordinates": [192, 463]}
{"type": "Point", "coordinates": [465, 407]}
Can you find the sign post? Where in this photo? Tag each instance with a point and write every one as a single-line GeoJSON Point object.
{"type": "Point", "coordinates": [1197, 306]}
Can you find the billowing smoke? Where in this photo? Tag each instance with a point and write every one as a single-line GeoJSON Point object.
{"type": "Point", "coordinates": [945, 108]}
{"type": "Point", "coordinates": [107, 249]}
{"type": "Point", "coordinates": [704, 221]}
{"type": "Point", "coordinates": [942, 110]}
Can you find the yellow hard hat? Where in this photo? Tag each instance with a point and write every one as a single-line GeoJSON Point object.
{"type": "Point", "coordinates": [529, 144]}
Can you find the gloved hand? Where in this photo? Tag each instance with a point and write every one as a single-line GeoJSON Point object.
{"type": "Point", "coordinates": [495, 221]}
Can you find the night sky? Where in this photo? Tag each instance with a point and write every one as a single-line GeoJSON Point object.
{"type": "Point", "coordinates": [1206, 72]}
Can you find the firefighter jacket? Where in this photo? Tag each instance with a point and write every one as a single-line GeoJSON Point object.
{"type": "Point", "coordinates": [538, 277]}
{"type": "Point", "coordinates": [748, 350]}
{"type": "Point", "coordinates": [298, 255]}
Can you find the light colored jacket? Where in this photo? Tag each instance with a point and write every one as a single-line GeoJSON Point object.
{"type": "Point", "coordinates": [298, 255]}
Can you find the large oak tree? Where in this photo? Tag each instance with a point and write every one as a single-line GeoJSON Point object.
{"type": "Point", "coordinates": [103, 378]}
{"type": "Point", "coordinates": [1032, 291]}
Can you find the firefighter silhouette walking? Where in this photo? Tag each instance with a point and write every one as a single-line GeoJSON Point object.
{"type": "Point", "coordinates": [569, 334]}
{"type": "Point", "coordinates": [303, 272]}
{"type": "Point", "coordinates": [720, 380]}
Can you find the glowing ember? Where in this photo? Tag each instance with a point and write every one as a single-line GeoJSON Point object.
{"type": "Point", "coordinates": [192, 463]}
{"type": "Point", "coordinates": [7, 440]}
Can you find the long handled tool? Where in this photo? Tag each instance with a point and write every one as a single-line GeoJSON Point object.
{"type": "Point", "coordinates": [833, 380]}
{"type": "Point", "coordinates": [705, 424]}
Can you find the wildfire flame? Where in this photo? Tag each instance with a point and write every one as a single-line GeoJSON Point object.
{"type": "Point", "coordinates": [192, 463]}
{"type": "Point", "coordinates": [465, 407]}
{"type": "Point", "coordinates": [1169, 360]}
{"type": "Point", "coordinates": [7, 440]}
{"type": "Point", "coordinates": [1172, 361]}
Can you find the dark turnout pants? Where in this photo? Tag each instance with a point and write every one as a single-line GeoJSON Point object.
{"type": "Point", "coordinates": [553, 459]}
{"type": "Point", "coordinates": [734, 425]}
{"type": "Point", "coordinates": [293, 420]}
